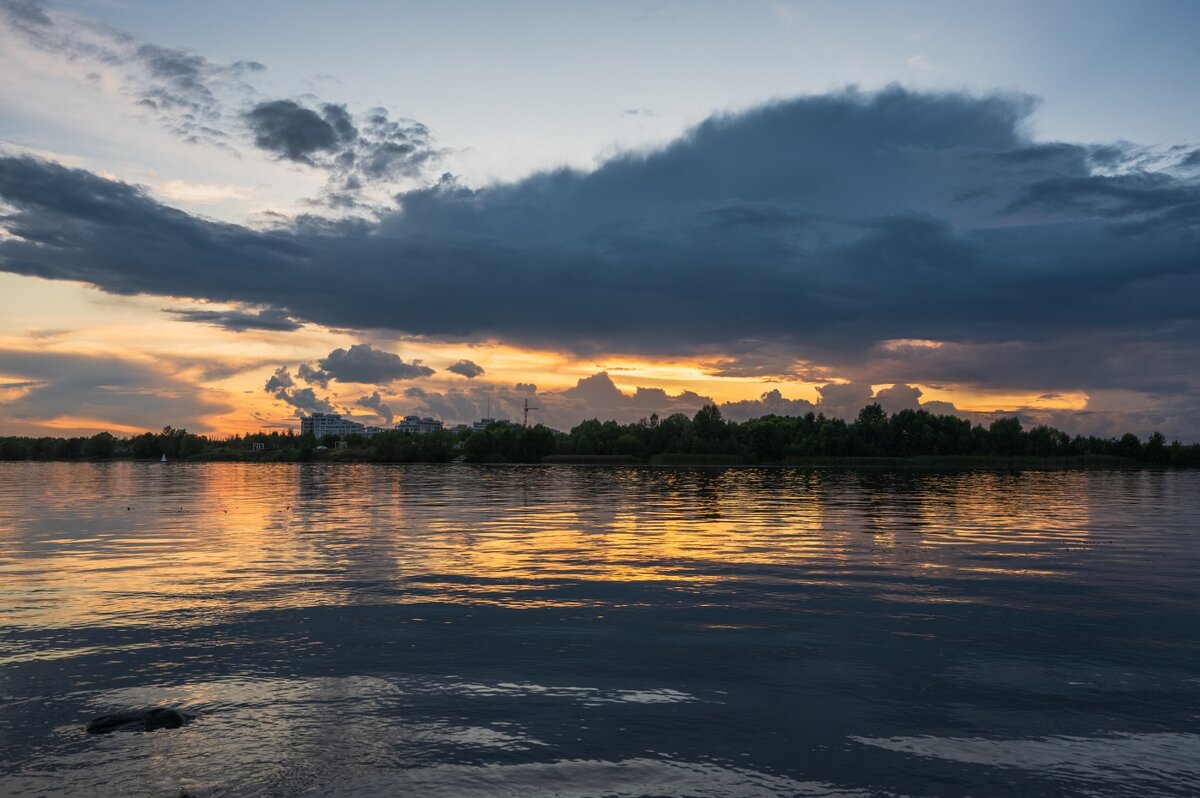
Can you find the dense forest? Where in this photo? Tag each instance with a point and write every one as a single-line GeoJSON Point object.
{"type": "Point", "coordinates": [706, 438]}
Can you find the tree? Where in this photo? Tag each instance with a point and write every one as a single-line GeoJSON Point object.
{"type": "Point", "coordinates": [871, 427]}
{"type": "Point", "coordinates": [12, 449]}
{"type": "Point", "coordinates": [1128, 446]}
{"type": "Point", "coordinates": [1155, 449]}
{"type": "Point", "coordinates": [1005, 436]}
{"type": "Point", "coordinates": [1046, 442]}
{"type": "Point", "coordinates": [100, 446]}
{"type": "Point", "coordinates": [709, 424]}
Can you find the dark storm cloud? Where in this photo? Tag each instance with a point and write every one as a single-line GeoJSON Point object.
{"type": "Point", "coordinates": [1154, 360]}
{"type": "Point", "coordinates": [94, 224]}
{"type": "Point", "coordinates": [818, 226]}
{"type": "Point", "coordinates": [269, 319]}
{"type": "Point", "coordinates": [364, 364]}
{"type": "Point", "coordinates": [465, 368]}
{"type": "Point", "coordinates": [864, 232]}
{"type": "Point", "coordinates": [291, 131]}
{"type": "Point", "coordinates": [1122, 196]}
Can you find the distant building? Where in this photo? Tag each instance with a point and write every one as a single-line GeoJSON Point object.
{"type": "Point", "coordinates": [484, 423]}
{"type": "Point", "coordinates": [321, 424]}
{"type": "Point", "coordinates": [415, 425]}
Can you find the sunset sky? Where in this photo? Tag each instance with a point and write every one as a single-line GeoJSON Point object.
{"type": "Point", "coordinates": [220, 215]}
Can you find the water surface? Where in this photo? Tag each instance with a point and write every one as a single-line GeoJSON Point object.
{"type": "Point", "coordinates": [558, 631]}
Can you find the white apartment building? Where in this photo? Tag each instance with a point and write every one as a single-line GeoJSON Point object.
{"type": "Point", "coordinates": [321, 424]}
{"type": "Point", "coordinates": [416, 425]}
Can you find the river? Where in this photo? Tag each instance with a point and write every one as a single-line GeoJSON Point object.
{"type": "Point", "coordinates": [561, 631]}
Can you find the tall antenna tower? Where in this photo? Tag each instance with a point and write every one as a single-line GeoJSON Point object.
{"type": "Point", "coordinates": [527, 409]}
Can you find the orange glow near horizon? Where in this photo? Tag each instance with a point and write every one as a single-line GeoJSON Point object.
{"type": "Point", "coordinates": [228, 370]}
{"type": "Point", "coordinates": [975, 400]}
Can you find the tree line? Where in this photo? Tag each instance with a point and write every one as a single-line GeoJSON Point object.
{"type": "Point", "coordinates": [706, 437]}
{"type": "Point", "coordinates": [772, 439]}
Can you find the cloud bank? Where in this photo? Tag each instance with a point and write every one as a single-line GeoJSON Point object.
{"type": "Point", "coordinates": [892, 237]}
{"type": "Point", "coordinates": [78, 391]}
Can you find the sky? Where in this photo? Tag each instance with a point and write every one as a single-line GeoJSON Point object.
{"type": "Point", "coordinates": [221, 216]}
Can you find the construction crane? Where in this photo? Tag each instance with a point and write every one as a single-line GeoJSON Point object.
{"type": "Point", "coordinates": [527, 409]}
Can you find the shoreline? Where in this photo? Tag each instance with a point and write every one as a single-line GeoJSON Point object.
{"type": "Point", "coordinates": [918, 463]}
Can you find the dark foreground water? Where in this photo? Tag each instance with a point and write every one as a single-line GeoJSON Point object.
{"type": "Point", "coordinates": [460, 631]}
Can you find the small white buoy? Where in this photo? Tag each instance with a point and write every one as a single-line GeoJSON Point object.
{"type": "Point", "coordinates": [164, 459]}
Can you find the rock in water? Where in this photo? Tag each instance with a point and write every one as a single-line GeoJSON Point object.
{"type": "Point", "coordinates": [139, 720]}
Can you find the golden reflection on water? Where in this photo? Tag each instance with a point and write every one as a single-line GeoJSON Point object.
{"type": "Point", "coordinates": [132, 543]}
{"type": "Point", "coordinates": [462, 630]}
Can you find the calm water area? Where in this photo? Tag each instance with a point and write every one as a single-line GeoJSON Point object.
{"type": "Point", "coordinates": [452, 630]}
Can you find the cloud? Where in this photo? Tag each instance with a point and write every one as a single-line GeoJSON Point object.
{"type": "Point", "coordinates": [202, 101]}
{"type": "Point", "coordinates": [304, 400]}
{"type": "Point", "coordinates": [844, 400]}
{"type": "Point", "coordinates": [271, 319]}
{"type": "Point", "coordinates": [598, 388]}
{"type": "Point", "coordinates": [291, 131]}
{"type": "Point", "coordinates": [209, 367]}
{"type": "Point", "coordinates": [771, 402]}
{"type": "Point", "coordinates": [362, 363]}
{"type": "Point", "coordinates": [592, 397]}
{"type": "Point", "coordinates": [764, 359]}
{"type": "Point", "coordinates": [313, 376]}
{"type": "Point", "coordinates": [898, 397]}
{"type": "Point", "coordinates": [375, 402]}
{"type": "Point", "coordinates": [184, 90]}
{"type": "Point", "coordinates": [835, 400]}
{"type": "Point", "coordinates": [837, 229]}
{"type": "Point", "coordinates": [26, 14]}
{"type": "Point", "coordinates": [280, 380]}
{"type": "Point", "coordinates": [94, 392]}
{"type": "Point", "coordinates": [813, 229]}
{"type": "Point", "coordinates": [465, 368]}
{"type": "Point", "coordinates": [597, 396]}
